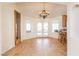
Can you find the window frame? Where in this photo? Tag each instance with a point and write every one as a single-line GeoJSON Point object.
{"type": "Point", "coordinates": [28, 25]}
{"type": "Point", "coordinates": [55, 27]}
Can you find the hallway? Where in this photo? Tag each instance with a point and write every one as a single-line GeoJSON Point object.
{"type": "Point", "coordinates": [38, 47]}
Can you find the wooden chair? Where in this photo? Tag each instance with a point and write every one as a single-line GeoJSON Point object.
{"type": "Point", "coordinates": [62, 37]}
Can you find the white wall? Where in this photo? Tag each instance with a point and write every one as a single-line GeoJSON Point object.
{"type": "Point", "coordinates": [7, 27]}
{"type": "Point", "coordinates": [7, 23]}
{"type": "Point", "coordinates": [73, 30]}
{"type": "Point", "coordinates": [24, 34]}
{"type": "Point", "coordinates": [57, 19]}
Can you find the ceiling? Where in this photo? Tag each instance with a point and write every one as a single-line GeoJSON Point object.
{"type": "Point", "coordinates": [32, 9]}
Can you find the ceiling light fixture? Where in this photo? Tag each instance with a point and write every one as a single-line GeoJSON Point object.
{"type": "Point", "coordinates": [44, 13]}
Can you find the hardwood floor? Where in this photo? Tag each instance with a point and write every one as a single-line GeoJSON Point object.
{"type": "Point", "coordinates": [38, 47]}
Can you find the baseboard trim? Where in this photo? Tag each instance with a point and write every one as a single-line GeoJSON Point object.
{"type": "Point", "coordinates": [40, 37]}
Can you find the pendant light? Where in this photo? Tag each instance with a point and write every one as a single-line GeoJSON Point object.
{"type": "Point", "coordinates": [44, 13]}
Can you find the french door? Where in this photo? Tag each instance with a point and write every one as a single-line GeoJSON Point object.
{"type": "Point", "coordinates": [42, 29]}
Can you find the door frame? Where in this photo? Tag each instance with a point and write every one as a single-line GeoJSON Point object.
{"type": "Point", "coordinates": [15, 26]}
{"type": "Point", "coordinates": [42, 33]}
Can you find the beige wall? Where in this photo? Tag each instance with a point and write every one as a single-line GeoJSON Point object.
{"type": "Point", "coordinates": [7, 26]}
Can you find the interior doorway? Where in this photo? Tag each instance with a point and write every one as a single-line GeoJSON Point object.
{"type": "Point", "coordinates": [17, 17]}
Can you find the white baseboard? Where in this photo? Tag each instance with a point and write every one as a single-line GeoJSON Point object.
{"type": "Point", "coordinates": [40, 37]}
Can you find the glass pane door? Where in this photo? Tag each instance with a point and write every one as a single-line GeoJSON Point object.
{"type": "Point", "coordinates": [39, 29]}
{"type": "Point", "coordinates": [42, 29]}
{"type": "Point", "coordinates": [45, 29]}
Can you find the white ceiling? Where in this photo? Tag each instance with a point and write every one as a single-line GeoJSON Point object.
{"type": "Point", "coordinates": [32, 9]}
